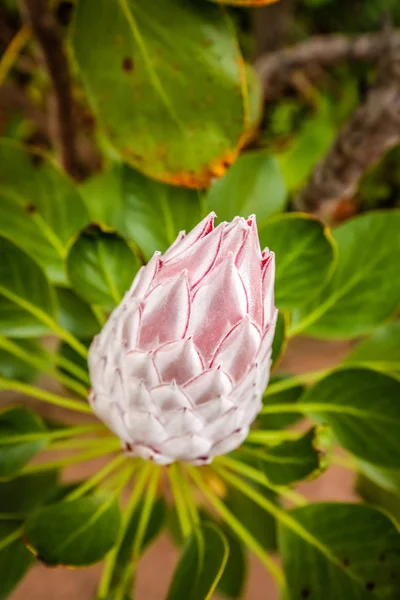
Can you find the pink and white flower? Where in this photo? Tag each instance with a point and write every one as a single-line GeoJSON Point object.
{"type": "Point", "coordinates": [179, 369]}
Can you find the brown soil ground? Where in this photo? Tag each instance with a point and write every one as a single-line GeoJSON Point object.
{"type": "Point", "coordinates": [44, 583]}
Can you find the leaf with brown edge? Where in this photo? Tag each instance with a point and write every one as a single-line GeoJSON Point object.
{"type": "Point", "coordinates": [173, 122]}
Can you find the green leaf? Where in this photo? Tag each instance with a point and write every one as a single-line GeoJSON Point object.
{"type": "Point", "coordinates": [15, 559]}
{"type": "Point", "coordinates": [253, 185]}
{"type": "Point", "coordinates": [304, 256]}
{"type": "Point", "coordinates": [365, 287]}
{"type": "Point", "coordinates": [102, 194]}
{"type": "Point", "coordinates": [388, 479]}
{"type": "Point", "coordinates": [13, 367]}
{"type": "Point", "coordinates": [378, 496]}
{"type": "Point", "coordinates": [381, 350]}
{"type": "Point", "coordinates": [255, 519]}
{"type": "Point", "coordinates": [293, 461]}
{"type": "Point", "coordinates": [41, 210]}
{"type": "Point", "coordinates": [17, 421]}
{"type": "Point", "coordinates": [201, 565]}
{"type": "Point", "coordinates": [362, 407]}
{"type": "Point", "coordinates": [348, 551]}
{"type": "Point", "coordinates": [25, 291]}
{"type": "Point", "coordinates": [233, 580]}
{"type": "Point", "coordinates": [101, 268]}
{"type": "Point", "coordinates": [76, 316]}
{"type": "Point", "coordinates": [173, 122]}
{"type": "Point", "coordinates": [75, 533]}
{"type": "Point", "coordinates": [66, 352]}
{"type": "Point", "coordinates": [154, 213]}
{"type": "Point", "coordinates": [23, 494]}
{"type": "Point", "coordinates": [279, 343]}
{"type": "Point", "coordinates": [282, 420]}
{"type": "Point", "coordinates": [154, 528]}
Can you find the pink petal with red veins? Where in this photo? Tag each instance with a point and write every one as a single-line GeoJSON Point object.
{"type": "Point", "coordinates": [178, 361]}
{"type": "Point", "coordinates": [131, 325]}
{"type": "Point", "coordinates": [186, 447]}
{"type": "Point", "coordinates": [145, 277]}
{"type": "Point", "coordinates": [140, 365]}
{"type": "Point", "coordinates": [169, 396]}
{"type": "Point", "coordinates": [231, 442]}
{"type": "Point", "coordinates": [268, 279]}
{"type": "Point", "coordinates": [219, 304]}
{"type": "Point", "coordinates": [166, 312]}
{"type": "Point", "coordinates": [147, 453]}
{"type": "Point", "coordinates": [144, 428]}
{"type": "Point", "coordinates": [238, 349]}
{"type": "Point", "coordinates": [197, 260]}
{"type": "Point", "coordinates": [201, 230]}
{"type": "Point", "coordinates": [233, 238]}
{"type": "Point", "coordinates": [268, 338]}
{"type": "Point", "coordinates": [173, 247]}
{"type": "Point", "coordinates": [182, 422]}
{"type": "Point", "coordinates": [248, 263]}
{"type": "Point", "coordinates": [207, 386]}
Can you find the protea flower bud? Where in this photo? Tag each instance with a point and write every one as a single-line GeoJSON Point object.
{"type": "Point", "coordinates": [180, 367]}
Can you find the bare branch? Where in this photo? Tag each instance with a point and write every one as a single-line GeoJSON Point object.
{"type": "Point", "coordinates": [47, 32]}
{"type": "Point", "coordinates": [372, 130]}
{"type": "Point", "coordinates": [277, 69]}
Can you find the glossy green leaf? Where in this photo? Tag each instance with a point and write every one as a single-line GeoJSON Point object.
{"type": "Point", "coordinates": [292, 461]}
{"type": "Point", "coordinates": [25, 493]}
{"type": "Point", "coordinates": [377, 496]}
{"type": "Point", "coordinates": [233, 580]}
{"type": "Point", "coordinates": [75, 315]}
{"type": "Point", "coordinates": [282, 420]}
{"type": "Point", "coordinates": [252, 185]}
{"type": "Point", "coordinates": [154, 528]}
{"type": "Point", "coordinates": [102, 194]}
{"type": "Point", "coordinates": [255, 519]}
{"type": "Point", "coordinates": [17, 421]}
{"type": "Point", "coordinates": [154, 213]}
{"type": "Point", "coordinates": [101, 268]}
{"type": "Point", "coordinates": [76, 533]}
{"type": "Point", "coordinates": [171, 121]}
{"type": "Point", "coordinates": [348, 551]}
{"type": "Point", "coordinates": [380, 350]}
{"type": "Point", "coordinates": [15, 559]}
{"type": "Point", "coordinates": [279, 343]}
{"type": "Point", "coordinates": [365, 288]}
{"type": "Point", "coordinates": [24, 290]}
{"type": "Point", "coordinates": [304, 257]}
{"type": "Point", "coordinates": [201, 565]}
{"type": "Point", "coordinates": [13, 367]}
{"type": "Point", "coordinates": [41, 209]}
{"type": "Point", "coordinates": [363, 409]}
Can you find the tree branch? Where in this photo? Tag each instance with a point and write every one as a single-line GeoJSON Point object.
{"type": "Point", "coordinates": [277, 69]}
{"type": "Point", "coordinates": [371, 131]}
{"type": "Point", "coordinates": [47, 32]}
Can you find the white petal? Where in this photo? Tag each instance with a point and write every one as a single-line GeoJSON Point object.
{"type": "Point", "coordinates": [165, 314]}
{"type": "Point", "coordinates": [138, 396]}
{"type": "Point", "coordinates": [231, 442]}
{"type": "Point", "coordinates": [238, 349]}
{"type": "Point", "coordinates": [139, 365]}
{"type": "Point", "coordinates": [144, 428]}
{"type": "Point", "coordinates": [207, 386]}
{"type": "Point", "coordinates": [201, 230]}
{"type": "Point", "coordinates": [268, 281]}
{"type": "Point", "coordinates": [178, 361]}
{"type": "Point", "coordinates": [187, 447]}
{"type": "Point", "coordinates": [246, 388]}
{"type": "Point", "coordinates": [181, 422]}
{"type": "Point", "coordinates": [219, 304]}
{"type": "Point", "coordinates": [169, 397]}
{"type": "Point", "coordinates": [147, 453]}
{"type": "Point", "coordinates": [116, 422]}
{"type": "Point", "coordinates": [248, 264]}
{"type": "Point", "coordinates": [145, 277]}
{"type": "Point", "coordinates": [130, 320]}
{"type": "Point", "coordinates": [211, 410]}
{"type": "Point", "coordinates": [224, 425]}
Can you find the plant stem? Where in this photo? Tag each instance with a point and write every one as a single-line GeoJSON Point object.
{"type": "Point", "coordinates": [187, 495]}
{"type": "Point", "coordinates": [99, 314]}
{"type": "Point", "coordinates": [345, 461]}
{"type": "Point", "coordinates": [77, 444]}
{"type": "Point", "coordinates": [286, 384]}
{"type": "Point", "coordinates": [272, 437]}
{"type": "Point", "coordinates": [12, 52]}
{"type": "Point", "coordinates": [93, 481]}
{"type": "Point", "coordinates": [138, 487]}
{"type": "Point", "coordinates": [49, 397]}
{"type": "Point", "coordinates": [236, 526]}
{"type": "Point", "coordinates": [51, 435]}
{"type": "Point", "coordinates": [42, 365]}
{"type": "Point", "coordinates": [71, 367]}
{"type": "Point", "coordinates": [181, 508]}
{"type": "Point", "coordinates": [259, 477]}
{"type": "Point", "coordinates": [66, 461]}
{"type": "Point", "coordinates": [9, 539]}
